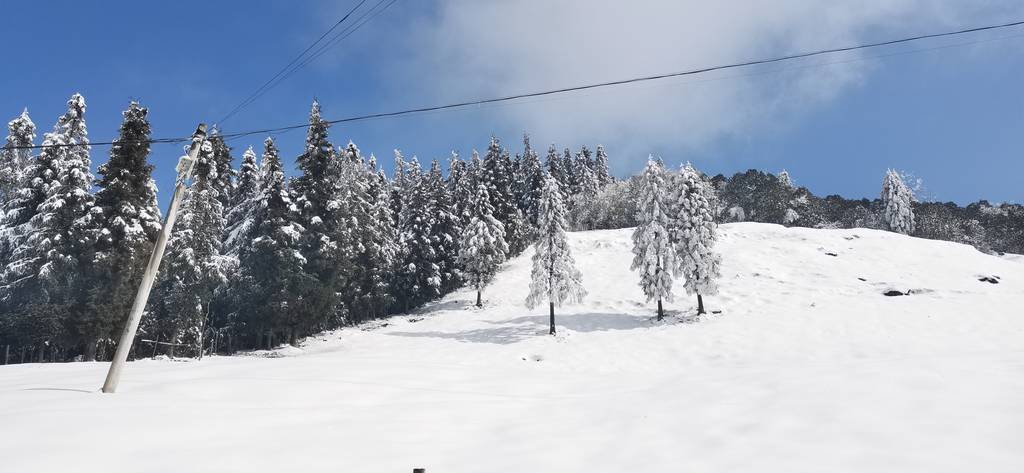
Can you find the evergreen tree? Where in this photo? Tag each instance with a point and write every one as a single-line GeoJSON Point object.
{"type": "Point", "coordinates": [14, 160]}
{"type": "Point", "coordinates": [326, 240]}
{"type": "Point", "coordinates": [482, 248]}
{"type": "Point", "coordinates": [50, 251]}
{"type": "Point", "coordinates": [585, 191]}
{"type": "Point", "coordinates": [459, 187]}
{"type": "Point", "coordinates": [125, 224]}
{"type": "Point", "coordinates": [224, 183]}
{"type": "Point", "coordinates": [419, 276]}
{"type": "Point", "coordinates": [652, 247]}
{"type": "Point", "coordinates": [530, 180]}
{"type": "Point", "coordinates": [497, 174]}
{"type": "Point", "coordinates": [398, 187]}
{"type": "Point", "coordinates": [242, 198]}
{"type": "Point", "coordinates": [193, 270]}
{"type": "Point", "coordinates": [271, 277]}
{"type": "Point", "coordinates": [601, 171]}
{"type": "Point", "coordinates": [554, 277]}
{"type": "Point", "coordinates": [556, 167]}
{"type": "Point", "coordinates": [898, 200]}
{"type": "Point", "coordinates": [694, 233]}
{"type": "Point", "coordinates": [445, 229]}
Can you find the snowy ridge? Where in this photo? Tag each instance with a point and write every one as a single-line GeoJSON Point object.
{"type": "Point", "coordinates": [808, 367]}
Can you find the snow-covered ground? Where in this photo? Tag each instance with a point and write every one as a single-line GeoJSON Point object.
{"type": "Point", "coordinates": [807, 368]}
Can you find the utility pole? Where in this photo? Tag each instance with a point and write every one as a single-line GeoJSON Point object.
{"type": "Point", "coordinates": [185, 166]}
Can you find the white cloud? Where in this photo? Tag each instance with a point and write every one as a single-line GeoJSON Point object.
{"type": "Point", "coordinates": [475, 48]}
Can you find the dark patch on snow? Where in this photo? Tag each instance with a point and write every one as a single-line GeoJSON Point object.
{"type": "Point", "coordinates": [533, 358]}
{"type": "Point", "coordinates": [989, 279]}
{"type": "Point", "coordinates": [413, 320]}
{"type": "Point", "coordinates": [831, 254]}
{"type": "Point", "coordinates": [862, 279]}
{"type": "Point", "coordinates": [894, 293]}
{"type": "Point", "coordinates": [716, 312]}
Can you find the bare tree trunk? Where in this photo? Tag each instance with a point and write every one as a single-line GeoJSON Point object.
{"type": "Point", "coordinates": [479, 302]}
{"type": "Point", "coordinates": [661, 311]}
{"type": "Point", "coordinates": [42, 351]}
{"type": "Point", "coordinates": [551, 308]}
{"type": "Point", "coordinates": [700, 305]}
{"type": "Point", "coordinates": [90, 350]}
{"type": "Point", "coordinates": [7, 353]}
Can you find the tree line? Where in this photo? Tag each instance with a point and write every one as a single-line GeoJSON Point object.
{"type": "Point", "coordinates": [255, 258]}
{"type": "Point", "coordinates": [258, 258]}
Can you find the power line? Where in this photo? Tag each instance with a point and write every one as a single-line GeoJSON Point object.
{"type": "Point", "coordinates": [587, 86]}
{"type": "Point", "coordinates": [259, 92]}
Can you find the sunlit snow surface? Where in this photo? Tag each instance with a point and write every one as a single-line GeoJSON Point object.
{"type": "Point", "coordinates": [806, 369]}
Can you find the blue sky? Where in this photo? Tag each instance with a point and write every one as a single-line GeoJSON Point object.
{"type": "Point", "coordinates": [950, 113]}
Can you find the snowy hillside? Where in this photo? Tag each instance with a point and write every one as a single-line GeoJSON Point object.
{"type": "Point", "coordinates": [808, 367]}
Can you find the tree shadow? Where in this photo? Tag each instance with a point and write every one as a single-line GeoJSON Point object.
{"type": "Point", "coordinates": [517, 329]}
{"type": "Point", "coordinates": [62, 389]}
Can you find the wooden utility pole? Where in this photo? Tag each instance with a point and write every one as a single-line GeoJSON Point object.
{"type": "Point", "coordinates": [185, 166]}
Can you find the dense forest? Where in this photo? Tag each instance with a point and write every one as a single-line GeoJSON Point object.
{"type": "Point", "coordinates": [257, 258]}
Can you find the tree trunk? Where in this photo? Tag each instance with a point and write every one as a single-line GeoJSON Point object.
{"type": "Point", "coordinates": [42, 351]}
{"type": "Point", "coordinates": [90, 350]}
{"type": "Point", "coordinates": [22, 359]}
{"type": "Point", "coordinates": [479, 303]}
{"type": "Point", "coordinates": [156, 345]}
{"type": "Point", "coordinates": [661, 311]}
{"type": "Point", "coordinates": [291, 336]}
{"type": "Point", "coordinates": [7, 353]}
{"type": "Point", "coordinates": [700, 304]}
{"type": "Point", "coordinates": [551, 307]}
{"type": "Point", "coordinates": [270, 340]}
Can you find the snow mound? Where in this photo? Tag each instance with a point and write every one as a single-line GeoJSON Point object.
{"type": "Point", "coordinates": [807, 366]}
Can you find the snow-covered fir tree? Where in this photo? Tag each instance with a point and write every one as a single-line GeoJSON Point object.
{"type": "Point", "coordinates": [585, 190]}
{"type": "Point", "coordinates": [530, 183]}
{"type": "Point", "coordinates": [271, 276]}
{"type": "Point", "coordinates": [653, 255]}
{"type": "Point", "coordinates": [382, 247]}
{"type": "Point", "coordinates": [556, 167]}
{"type": "Point", "coordinates": [445, 229]}
{"type": "Point", "coordinates": [419, 275]}
{"type": "Point", "coordinates": [554, 278]}
{"type": "Point", "coordinates": [601, 170]}
{"type": "Point", "coordinates": [785, 179]}
{"type": "Point", "coordinates": [398, 186]}
{"type": "Point", "coordinates": [498, 175]}
{"type": "Point", "coordinates": [243, 197]}
{"type": "Point", "coordinates": [898, 200]}
{"type": "Point", "coordinates": [366, 295]}
{"type": "Point", "coordinates": [327, 241]}
{"type": "Point", "coordinates": [460, 187]}
{"type": "Point", "coordinates": [14, 158]}
{"type": "Point", "coordinates": [125, 225]}
{"type": "Point", "coordinates": [223, 163]}
{"type": "Point", "coordinates": [693, 234]}
{"type": "Point", "coordinates": [45, 275]}
{"type": "Point", "coordinates": [482, 247]}
{"type": "Point", "coordinates": [193, 268]}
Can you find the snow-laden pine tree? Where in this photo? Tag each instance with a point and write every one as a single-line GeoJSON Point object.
{"type": "Point", "coordinates": [271, 277]}
{"type": "Point", "coordinates": [694, 233]}
{"type": "Point", "coordinates": [398, 187]}
{"type": "Point", "coordinates": [372, 237]}
{"type": "Point", "coordinates": [14, 158]}
{"type": "Point", "coordinates": [556, 167]}
{"type": "Point", "coordinates": [52, 250]}
{"type": "Point", "coordinates": [785, 179]}
{"type": "Point", "coordinates": [222, 161]}
{"type": "Point", "coordinates": [554, 278]}
{"type": "Point", "coordinates": [243, 197]}
{"type": "Point", "coordinates": [585, 191]}
{"type": "Point", "coordinates": [193, 268]}
{"type": "Point", "coordinates": [497, 174]}
{"type": "Point", "coordinates": [482, 247]}
{"type": "Point", "coordinates": [653, 255]}
{"type": "Point", "coordinates": [18, 198]}
{"type": "Point", "coordinates": [419, 275]}
{"type": "Point", "coordinates": [383, 245]}
{"type": "Point", "coordinates": [326, 240]}
{"type": "Point", "coordinates": [459, 187]}
{"type": "Point", "coordinates": [445, 228]}
{"type": "Point", "coordinates": [530, 182]}
{"type": "Point", "coordinates": [898, 200]}
{"type": "Point", "coordinates": [601, 170]}
{"type": "Point", "coordinates": [126, 223]}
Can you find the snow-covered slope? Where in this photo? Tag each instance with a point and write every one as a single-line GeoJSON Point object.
{"type": "Point", "coordinates": [808, 367]}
